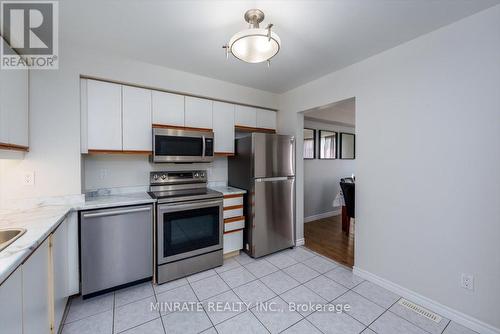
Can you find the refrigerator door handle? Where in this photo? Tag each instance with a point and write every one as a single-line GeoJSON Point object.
{"type": "Point", "coordinates": [269, 179]}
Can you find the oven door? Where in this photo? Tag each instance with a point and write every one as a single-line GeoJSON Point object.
{"type": "Point", "coordinates": [177, 145]}
{"type": "Point", "coordinates": [188, 229]}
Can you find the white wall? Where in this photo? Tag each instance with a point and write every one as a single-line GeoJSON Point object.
{"type": "Point", "coordinates": [428, 161]}
{"type": "Point", "coordinates": [322, 177]}
{"type": "Point", "coordinates": [55, 116]}
{"type": "Point", "coordinates": [108, 171]}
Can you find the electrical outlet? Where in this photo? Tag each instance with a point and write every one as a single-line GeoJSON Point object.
{"type": "Point", "coordinates": [468, 281]}
{"type": "Point", "coordinates": [29, 178]}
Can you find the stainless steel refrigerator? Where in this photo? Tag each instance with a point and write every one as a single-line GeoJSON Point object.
{"type": "Point", "coordinates": [264, 165]}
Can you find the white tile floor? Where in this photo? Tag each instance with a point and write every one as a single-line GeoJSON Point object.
{"type": "Point", "coordinates": [291, 276]}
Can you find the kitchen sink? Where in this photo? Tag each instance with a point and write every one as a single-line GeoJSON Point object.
{"type": "Point", "coordinates": [9, 235]}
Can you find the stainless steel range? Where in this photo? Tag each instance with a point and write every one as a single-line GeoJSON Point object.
{"type": "Point", "coordinates": [189, 224]}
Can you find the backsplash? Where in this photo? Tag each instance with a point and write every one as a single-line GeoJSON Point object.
{"type": "Point", "coordinates": [113, 171]}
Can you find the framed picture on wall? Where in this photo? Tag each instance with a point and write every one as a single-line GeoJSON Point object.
{"type": "Point", "coordinates": [309, 143]}
{"type": "Point", "coordinates": [347, 146]}
{"type": "Point", "coordinates": [327, 144]}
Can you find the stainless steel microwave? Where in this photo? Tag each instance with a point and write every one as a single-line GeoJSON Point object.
{"type": "Point", "coordinates": [178, 145]}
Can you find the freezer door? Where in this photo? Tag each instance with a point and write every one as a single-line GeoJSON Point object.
{"type": "Point", "coordinates": [273, 223]}
{"type": "Point", "coordinates": [273, 155]}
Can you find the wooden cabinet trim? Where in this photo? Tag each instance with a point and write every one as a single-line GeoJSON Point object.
{"type": "Point", "coordinates": [233, 207]}
{"type": "Point", "coordinates": [165, 126]}
{"type": "Point", "coordinates": [234, 219]}
{"type": "Point", "coordinates": [224, 154]}
{"type": "Point", "coordinates": [250, 129]}
{"type": "Point", "coordinates": [233, 196]}
{"type": "Point", "coordinates": [234, 231]}
{"type": "Point", "coordinates": [90, 151]}
{"type": "Point", "coordinates": [14, 147]}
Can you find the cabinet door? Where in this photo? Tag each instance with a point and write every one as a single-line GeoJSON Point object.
{"type": "Point", "coordinates": [168, 109]}
{"type": "Point", "coordinates": [223, 125]}
{"type": "Point", "coordinates": [11, 304]}
{"type": "Point", "coordinates": [14, 106]}
{"type": "Point", "coordinates": [266, 119]}
{"type": "Point", "coordinates": [245, 116]}
{"type": "Point", "coordinates": [60, 271]}
{"type": "Point", "coordinates": [35, 280]}
{"type": "Point", "coordinates": [137, 134]}
{"type": "Point", "coordinates": [73, 256]}
{"type": "Point", "coordinates": [104, 115]}
{"type": "Point", "coordinates": [198, 113]}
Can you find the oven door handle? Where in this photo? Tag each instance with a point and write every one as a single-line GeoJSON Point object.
{"type": "Point", "coordinates": [192, 205]}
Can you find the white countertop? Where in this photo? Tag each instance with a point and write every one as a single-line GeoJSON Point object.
{"type": "Point", "coordinates": [107, 201]}
{"type": "Point", "coordinates": [41, 220]}
{"type": "Point", "coordinates": [227, 190]}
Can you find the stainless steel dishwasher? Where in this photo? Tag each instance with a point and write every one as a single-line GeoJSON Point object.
{"type": "Point", "coordinates": [116, 248]}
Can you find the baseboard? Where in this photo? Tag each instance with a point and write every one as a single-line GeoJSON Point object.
{"type": "Point", "coordinates": [452, 314]}
{"type": "Point", "coordinates": [322, 215]}
{"type": "Point", "coordinates": [300, 242]}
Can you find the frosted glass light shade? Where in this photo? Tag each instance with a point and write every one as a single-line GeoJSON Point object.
{"type": "Point", "coordinates": [254, 45]}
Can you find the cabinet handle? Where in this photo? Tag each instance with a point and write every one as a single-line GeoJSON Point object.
{"type": "Point", "coordinates": [113, 213]}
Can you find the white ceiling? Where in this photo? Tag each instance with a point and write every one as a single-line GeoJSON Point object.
{"type": "Point", "coordinates": [341, 113]}
{"type": "Point", "coordinates": [318, 37]}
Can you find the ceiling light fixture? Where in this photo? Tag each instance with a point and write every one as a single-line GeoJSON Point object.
{"type": "Point", "coordinates": [254, 45]}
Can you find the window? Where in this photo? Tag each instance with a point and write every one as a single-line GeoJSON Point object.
{"type": "Point", "coordinates": [309, 143]}
{"type": "Point", "coordinates": [327, 144]}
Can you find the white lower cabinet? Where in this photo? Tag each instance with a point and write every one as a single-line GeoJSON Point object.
{"type": "Point", "coordinates": [234, 222]}
{"type": "Point", "coordinates": [60, 274]}
{"type": "Point", "coordinates": [35, 299]}
{"type": "Point", "coordinates": [11, 304]}
{"type": "Point", "coordinates": [233, 241]}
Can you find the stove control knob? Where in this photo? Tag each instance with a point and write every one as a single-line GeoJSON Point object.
{"type": "Point", "coordinates": [196, 175]}
{"type": "Point", "coordinates": [155, 177]}
{"type": "Point", "coordinates": [202, 174]}
{"type": "Point", "coordinates": [163, 176]}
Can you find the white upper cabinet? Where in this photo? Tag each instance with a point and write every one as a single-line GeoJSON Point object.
{"type": "Point", "coordinates": [266, 119]}
{"type": "Point", "coordinates": [168, 109]}
{"type": "Point", "coordinates": [11, 304]}
{"type": "Point", "coordinates": [223, 126]}
{"type": "Point", "coordinates": [137, 135]}
{"type": "Point", "coordinates": [14, 106]}
{"type": "Point", "coordinates": [198, 113]}
{"type": "Point", "coordinates": [245, 116]}
{"type": "Point", "coordinates": [104, 115]}
{"type": "Point", "coordinates": [35, 298]}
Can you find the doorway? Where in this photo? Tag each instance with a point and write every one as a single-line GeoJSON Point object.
{"type": "Point", "coordinates": [329, 158]}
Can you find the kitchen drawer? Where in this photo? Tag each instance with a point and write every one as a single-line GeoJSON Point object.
{"type": "Point", "coordinates": [233, 200]}
{"type": "Point", "coordinates": [236, 223]}
{"type": "Point", "coordinates": [233, 241]}
{"type": "Point", "coordinates": [233, 211]}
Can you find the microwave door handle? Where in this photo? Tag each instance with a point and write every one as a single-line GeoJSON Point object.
{"type": "Point", "coordinates": [203, 147]}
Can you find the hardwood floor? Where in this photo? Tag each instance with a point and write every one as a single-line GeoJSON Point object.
{"type": "Point", "coordinates": [325, 236]}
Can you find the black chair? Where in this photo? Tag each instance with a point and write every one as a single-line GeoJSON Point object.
{"type": "Point", "coordinates": [348, 190]}
{"type": "Point", "coordinates": [347, 180]}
